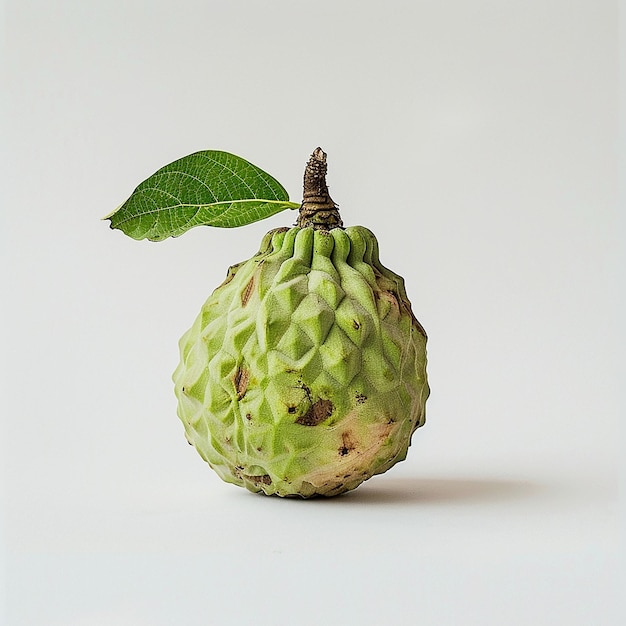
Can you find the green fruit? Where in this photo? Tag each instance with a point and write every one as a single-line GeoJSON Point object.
{"type": "Point", "coordinates": [305, 372]}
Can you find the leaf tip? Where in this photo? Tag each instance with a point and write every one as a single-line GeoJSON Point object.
{"type": "Point", "coordinates": [112, 213]}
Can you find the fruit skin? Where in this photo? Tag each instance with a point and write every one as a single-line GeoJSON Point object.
{"type": "Point", "coordinates": [305, 371]}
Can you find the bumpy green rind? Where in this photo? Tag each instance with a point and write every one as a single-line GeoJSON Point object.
{"type": "Point", "coordinates": [305, 372]}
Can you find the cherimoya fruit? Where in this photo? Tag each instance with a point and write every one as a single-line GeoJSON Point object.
{"type": "Point", "coordinates": [305, 371]}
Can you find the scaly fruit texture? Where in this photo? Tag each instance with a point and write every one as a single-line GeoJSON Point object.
{"type": "Point", "coordinates": [305, 372]}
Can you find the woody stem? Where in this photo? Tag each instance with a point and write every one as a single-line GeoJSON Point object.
{"type": "Point", "coordinates": [317, 209]}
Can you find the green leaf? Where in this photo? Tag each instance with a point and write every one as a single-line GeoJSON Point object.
{"type": "Point", "coordinates": [210, 188]}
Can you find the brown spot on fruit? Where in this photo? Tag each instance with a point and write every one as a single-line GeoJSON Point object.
{"type": "Point", "coordinates": [393, 298]}
{"type": "Point", "coordinates": [265, 479]}
{"type": "Point", "coordinates": [356, 325]}
{"type": "Point", "coordinates": [360, 398]}
{"type": "Point", "coordinates": [347, 445]}
{"type": "Point", "coordinates": [319, 411]}
{"type": "Point", "coordinates": [247, 292]}
{"type": "Point", "coordinates": [248, 416]}
{"type": "Point", "coordinates": [240, 379]}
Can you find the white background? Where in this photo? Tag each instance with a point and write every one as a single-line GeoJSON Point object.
{"type": "Point", "coordinates": [478, 139]}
